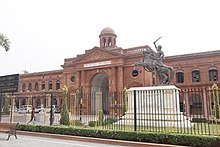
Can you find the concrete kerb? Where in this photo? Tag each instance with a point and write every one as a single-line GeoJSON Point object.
{"type": "Point", "coordinates": [96, 140]}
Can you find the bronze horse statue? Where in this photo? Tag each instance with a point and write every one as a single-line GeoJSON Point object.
{"type": "Point", "coordinates": [152, 62]}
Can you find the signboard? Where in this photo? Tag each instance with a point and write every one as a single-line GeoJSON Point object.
{"type": "Point", "coordinates": [97, 64]}
{"type": "Point", "coordinates": [9, 83]}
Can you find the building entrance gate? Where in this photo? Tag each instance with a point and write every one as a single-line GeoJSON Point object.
{"type": "Point", "coordinates": [99, 94]}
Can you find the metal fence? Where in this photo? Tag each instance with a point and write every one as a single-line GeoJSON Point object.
{"type": "Point", "coordinates": [188, 111]}
{"type": "Point", "coordinates": [185, 111]}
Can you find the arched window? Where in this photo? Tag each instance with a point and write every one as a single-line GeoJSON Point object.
{"type": "Point", "coordinates": [58, 85]}
{"type": "Point", "coordinates": [38, 102]}
{"type": "Point", "coordinates": [109, 41]}
{"type": "Point", "coordinates": [104, 42]}
{"type": "Point", "coordinates": [23, 87]}
{"type": "Point", "coordinates": [179, 77]}
{"type": "Point", "coordinates": [29, 87]}
{"type": "Point", "coordinates": [23, 101]}
{"type": "Point", "coordinates": [36, 86]}
{"type": "Point", "coordinates": [43, 86]}
{"type": "Point", "coordinates": [50, 85]}
{"type": "Point", "coordinates": [196, 75]}
{"type": "Point", "coordinates": [213, 74]}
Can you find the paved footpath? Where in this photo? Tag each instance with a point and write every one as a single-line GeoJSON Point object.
{"type": "Point", "coordinates": [33, 139]}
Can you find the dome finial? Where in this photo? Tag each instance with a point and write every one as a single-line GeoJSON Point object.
{"type": "Point", "coordinates": [107, 38]}
{"type": "Point", "coordinates": [107, 30]}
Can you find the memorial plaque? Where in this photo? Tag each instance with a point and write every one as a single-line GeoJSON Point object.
{"type": "Point", "coordinates": [9, 83]}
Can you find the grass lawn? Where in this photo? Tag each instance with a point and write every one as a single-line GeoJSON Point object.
{"type": "Point", "coordinates": [197, 129]}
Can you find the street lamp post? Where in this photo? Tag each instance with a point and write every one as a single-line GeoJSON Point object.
{"type": "Point", "coordinates": [51, 109]}
{"type": "Point", "coordinates": [0, 107]}
{"type": "Point", "coordinates": [49, 103]}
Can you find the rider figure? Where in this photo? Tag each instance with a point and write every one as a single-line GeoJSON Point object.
{"type": "Point", "coordinates": [159, 55]}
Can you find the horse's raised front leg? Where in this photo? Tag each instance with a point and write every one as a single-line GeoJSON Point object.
{"type": "Point", "coordinates": [137, 63]}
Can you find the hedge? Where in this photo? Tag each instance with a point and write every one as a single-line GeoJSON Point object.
{"type": "Point", "coordinates": [151, 137]}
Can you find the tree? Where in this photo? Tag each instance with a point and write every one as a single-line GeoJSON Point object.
{"type": "Point", "coordinates": [64, 120]}
{"type": "Point", "coordinates": [216, 101]}
{"type": "Point", "coordinates": [4, 42]}
{"type": "Point", "coordinates": [100, 118]}
{"type": "Point", "coordinates": [25, 71]}
{"type": "Point", "coordinates": [124, 101]}
{"type": "Point", "coordinates": [6, 105]}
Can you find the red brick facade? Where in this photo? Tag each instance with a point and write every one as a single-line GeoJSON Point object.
{"type": "Point", "coordinates": [111, 67]}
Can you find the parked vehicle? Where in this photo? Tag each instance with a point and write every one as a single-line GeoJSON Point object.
{"type": "Point", "coordinates": [25, 109]}
{"type": "Point", "coordinates": [56, 108]}
{"type": "Point", "coordinates": [38, 109]}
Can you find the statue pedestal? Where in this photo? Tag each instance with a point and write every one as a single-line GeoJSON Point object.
{"type": "Point", "coordinates": [156, 106]}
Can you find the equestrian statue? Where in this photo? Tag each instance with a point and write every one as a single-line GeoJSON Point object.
{"type": "Point", "coordinates": [152, 62]}
{"type": "Point", "coordinates": [4, 42]}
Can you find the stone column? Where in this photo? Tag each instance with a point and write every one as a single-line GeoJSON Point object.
{"type": "Point", "coordinates": [120, 77]}
{"type": "Point", "coordinates": [187, 105]}
{"type": "Point", "coordinates": [120, 88]}
{"type": "Point", "coordinates": [113, 80]}
{"type": "Point", "coordinates": [19, 103]}
{"type": "Point", "coordinates": [41, 101]}
{"type": "Point", "coordinates": [204, 103]}
{"type": "Point", "coordinates": [78, 79]}
{"type": "Point", "coordinates": [82, 80]}
{"type": "Point", "coordinates": [12, 108]}
{"type": "Point", "coordinates": [48, 99]}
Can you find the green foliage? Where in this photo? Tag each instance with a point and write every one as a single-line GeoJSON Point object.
{"type": "Point", "coordinates": [4, 42]}
{"type": "Point", "coordinates": [76, 123]}
{"type": "Point", "coordinates": [101, 118]}
{"type": "Point", "coordinates": [92, 123]}
{"type": "Point", "coordinates": [124, 102]}
{"type": "Point", "coordinates": [109, 120]}
{"type": "Point", "coordinates": [25, 71]}
{"type": "Point", "coordinates": [6, 110]}
{"type": "Point", "coordinates": [152, 137]}
{"type": "Point", "coordinates": [199, 120]}
{"type": "Point", "coordinates": [64, 120]}
{"type": "Point", "coordinates": [216, 101]}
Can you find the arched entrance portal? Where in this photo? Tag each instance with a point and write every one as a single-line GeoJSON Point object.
{"type": "Point", "coordinates": [99, 89]}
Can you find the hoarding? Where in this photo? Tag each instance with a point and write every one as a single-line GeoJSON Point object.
{"type": "Point", "coordinates": [9, 83]}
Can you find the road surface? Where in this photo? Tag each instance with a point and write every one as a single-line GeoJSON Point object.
{"type": "Point", "coordinates": [31, 141]}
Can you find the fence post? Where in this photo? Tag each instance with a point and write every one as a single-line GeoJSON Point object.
{"type": "Point", "coordinates": [216, 100]}
{"type": "Point", "coordinates": [1, 99]}
{"type": "Point", "coordinates": [51, 110]}
{"type": "Point", "coordinates": [135, 112]}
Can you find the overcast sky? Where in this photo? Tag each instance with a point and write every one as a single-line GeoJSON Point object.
{"type": "Point", "coordinates": [45, 32]}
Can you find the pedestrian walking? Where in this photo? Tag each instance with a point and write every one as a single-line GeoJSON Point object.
{"type": "Point", "coordinates": [32, 116]}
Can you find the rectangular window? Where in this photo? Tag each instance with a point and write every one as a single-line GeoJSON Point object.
{"type": "Point", "coordinates": [43, 86]}
{"type": "Point", "coordinates": [179, 77]}
{"type": "Point", "coordinates": [213, 75]}
{"type": "Point", "coordinates": [57, 85]}
{"type": "Point", "coordinates": [196, 76]}
{"type": "Point", "coordinates": [50, 85]}
{"type": "Point", "coordinates": [36, 87]}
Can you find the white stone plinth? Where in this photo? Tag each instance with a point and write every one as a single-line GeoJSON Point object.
{"type": "Point", "coordinates": [155, 106]}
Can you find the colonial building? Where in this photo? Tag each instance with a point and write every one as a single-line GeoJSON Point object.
{"type": "Point", "coordinates": [108, 69]}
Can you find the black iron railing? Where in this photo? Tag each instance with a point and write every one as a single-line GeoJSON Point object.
{"type": "Point", "coordinates": [184, 111]}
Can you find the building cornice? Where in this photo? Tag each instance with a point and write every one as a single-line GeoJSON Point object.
{"type": "Point", "coordinates": [41, 73]}
{"type": "Point", "coordinates": [193, 55]}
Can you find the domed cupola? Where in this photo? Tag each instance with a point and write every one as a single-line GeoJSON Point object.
{"type": "Point", "coordinates": [107, 38]}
